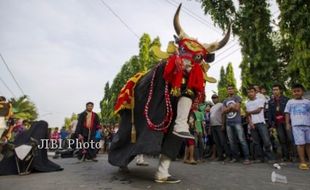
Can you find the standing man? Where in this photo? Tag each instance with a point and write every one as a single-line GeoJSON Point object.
{"type": "Point", "coordinates": [276, 119]}
{"type": "Point", "coordinates": [88, 123]}
{"type": "Point", "coordinates": [218, 128]}
{"type": "Point", "coordinates": [267, 98]}
{"type": "Point", "coordinates": [231, 108]}
{"type": "Point", "coordinates": [256, 120]}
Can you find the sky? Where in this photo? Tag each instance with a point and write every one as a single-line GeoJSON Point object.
{"type": "Point", "coordinates": [62, 52]}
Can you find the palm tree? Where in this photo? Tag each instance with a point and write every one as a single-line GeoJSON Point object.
{"type": "Point", "coordinates": [24, 109]}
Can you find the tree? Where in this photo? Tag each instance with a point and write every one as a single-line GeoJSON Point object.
{"type": "Point", "coordinates": [134, 65]}
{"type": "Point", "coordinates": [68, 121]}
{"type": "Point", "coordinates": [226, 78]}
{"type": "Point", "coordinates": [142, 62]}
{"type": "Point", "coordinates": [252, 25]}
{"type": "Point", "coordinates": [221, 11]}
{"type": "Point", "coordinates": [295, 32]}
{"type": "Point", "coordinates": [259, 56]}
{"type": "Point", "coordinates": [230, 76]}
{"type": "Point", "coordinates": [222, 85]}
{"type": "Point", "coordinates": [283, 52]}
{"type": "Point", "coordinates": [106, 105]}
{"type": "Point", "coordinates": [107, 93]}
{"type": "Point", "coordinates": [144, 55]}
{"type": "Point", "coordinates": [153, 59]}
{"type": "Point", "coordinates": [24, 108]}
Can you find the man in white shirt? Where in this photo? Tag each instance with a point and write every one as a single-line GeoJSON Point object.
{"type": "Point", "coordinates": [256, 120]}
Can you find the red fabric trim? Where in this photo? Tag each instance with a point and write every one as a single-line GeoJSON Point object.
{"type": "Point", "coordinates": [196, 79]}
{"type": "Point", "coordinates": [173, 74]}
{"type": "Point", "coordinates": [125, 95]}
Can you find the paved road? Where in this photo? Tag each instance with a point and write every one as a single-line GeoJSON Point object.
{"type": "Point", "coordinates": [208, 175]}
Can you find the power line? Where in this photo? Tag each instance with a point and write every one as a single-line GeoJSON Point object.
{"type": "Point", "coordinates": [231, 46]}
{"type": "Point", "coordinates": [11, 74]}
{"type": "Point", "coordinates": [201, 18]}
{"type": "Point", "coordinates": [4, 83]}
{"type": "Point", "coordinates": [225, 57]}
{"type": "Point", "coordinates": [195, 16]}
{"type": "Point", "coordinates": [120, 19]}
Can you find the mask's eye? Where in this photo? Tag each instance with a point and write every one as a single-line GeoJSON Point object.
{"type": "Point", "coordinates": [181, 50]}
{"type": "Point", "coordinates": [198, 58]}
{"type": "Point", "coordinates": [209, 57]}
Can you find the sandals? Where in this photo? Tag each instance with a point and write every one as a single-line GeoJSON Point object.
{"type": "Point", "coordinates": [193, 162]}
{"type": "Point", "coordinates": [303, 166]}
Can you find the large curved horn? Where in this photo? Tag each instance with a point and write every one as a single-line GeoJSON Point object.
{"type": "Point", "coordinates": [176, 23]}
{"type": "Point", "coordinates": [224, 41]}
{"type": "Point", "coordinates": [218, 45]}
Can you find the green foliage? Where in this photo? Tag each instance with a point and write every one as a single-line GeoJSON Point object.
{"type": "Point", "coordinates": [226, 78]}
{"type": "Point", "coordinates": [144, 56]}
{"type": "Point", "coordinates": [252, 25]}
{"type": "Point", "coordinates": [24, 109]}
{"type": "Point", "coordinates": [153, 59]}
{"type": "Point", "coordinates": [67, 122]}
{"type": "Point", "coordinates": [283, 52]}
{"type": "Point", "coordinates": [259, 64]}
{"type": "Point", "coordinates": [142, 62]}
{"type": "Point", "coordinates": [222, 82]}
{"type": "Point", "coordinates": [230, 76]}
{"type": "Point", "coordinates": [221, 86]}
{"type": "Point", "coordinates": [295, 32]}
{"type": "Point", "coordinates": [221, 11]}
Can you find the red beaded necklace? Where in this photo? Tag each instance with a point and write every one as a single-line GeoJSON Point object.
{"type": "Point", "coordinates": [163, 126]}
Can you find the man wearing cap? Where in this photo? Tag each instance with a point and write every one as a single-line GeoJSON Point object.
{"type": "Point", "coordinates": [218, 128]}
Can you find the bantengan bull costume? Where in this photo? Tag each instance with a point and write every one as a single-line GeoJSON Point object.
{"type": "Point", "coordinates": [154, 106]}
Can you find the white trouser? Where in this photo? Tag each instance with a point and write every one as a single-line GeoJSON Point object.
{"type": "Point", "coordinates": [139, 159]}
{"type": "Point", "coordinates": [163, 167]}
{"type": "Point", "coordinates": [183, 109]}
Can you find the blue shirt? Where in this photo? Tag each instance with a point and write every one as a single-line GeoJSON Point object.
{"type": "Point", "coordinates": [232, 118]}
{"type": "Point", "coordinates": [63, 133]}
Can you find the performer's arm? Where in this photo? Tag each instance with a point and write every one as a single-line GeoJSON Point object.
{"type": "Point", "coordinates": [249, 120]}
{"type": "Point", "coordinates": [270, 114]}
{"type": "Point", "coordinates": [257, 111]}
{"type": "Point", "coordinates": [236, 107]}
{"type": "Point", "coordinates": [287, 121]}
{"type": "Point", "coordinates": [78, 130]}
{"type": "Point", "coordinates": [223, 120]}
{"type": "Point", "coordinates": [226, 109]}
